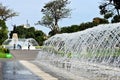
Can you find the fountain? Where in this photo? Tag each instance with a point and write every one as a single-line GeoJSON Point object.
{"type": "Point", "coordinates": [17, 43]}
{"type": "Point", "coordinates": [93, 53]}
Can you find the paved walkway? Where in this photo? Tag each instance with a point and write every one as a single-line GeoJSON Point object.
{"type": "Point", "coordinates": [24, 67]}
{"type": "Point", "coordinates": [36, 70]}
{"type": "Point", "coordinates": [16, 71]}
{"type": "Point", "coordinates": [19, 67]}
{"type": "Point", "coordinates": [24, 54]}
{"type": "Point", "coordinates": [1, 78]}
{"type": "Point", "coordinates": [11, 69]}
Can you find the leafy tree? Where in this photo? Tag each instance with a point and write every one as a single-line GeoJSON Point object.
{"type": "Point", "coordinates": [53, 12]}
{"type": "Point", "coordinates": [40, 37]}
{"type": "Point", "coordinates": [30, 35]}
{"type": "Point", "coordinates": [70, 29]}
{"type": "Point", "coordinates": [109, 8]}
{"type": "Point", "coordinates": [74, 28]}
{"type": "Point", "coordinates": [115, 19]}
{"type": "Point", "coordinates": [6, 13]}
{"type": "Point", "coordinates": [100, 20]}
{"type": "Point", "coordinates": [87, 25]}
{"type": "Point", "coordinates": [22, 32]}
{"type": "Point", "coordinates": [3, 31]}
{"type": "Point", "coordinates": [64, 30]}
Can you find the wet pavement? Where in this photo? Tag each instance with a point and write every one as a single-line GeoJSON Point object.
{"type": "Point", "coordinates": [17, 68]}
{"type": "Point", "coordinates": [13, 70]}
{"type": "Point", "coordinates": [1, 72]}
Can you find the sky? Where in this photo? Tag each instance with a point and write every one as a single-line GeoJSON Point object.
{"type": "Point", "coordinates": [82, 11]}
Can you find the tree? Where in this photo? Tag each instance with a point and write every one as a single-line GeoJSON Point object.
{"type": "Point", "coordinates": [116, 18]}
{"type": "Point", "coordinates": [70, 29]}
{"type": "Point", "coordinates": [23, 32]}
{"type": "Point", "coordinates": [6, 13]}
{"type": "Point", "coordinates": [100, 20]}
{"type": "Point", "coordinates": [53, 12]}
{"type": "Point", "coordinates": [3, 31]}
{"type": "Point", "coordinates": [40, 37]}
{"type": "Point", "coordinates": [109, 8]}
{"type": "Point", "coordinates": [74, 28]}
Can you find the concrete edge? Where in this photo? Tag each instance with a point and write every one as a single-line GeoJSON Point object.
{"type": "Point", "coordinates": [36, 70]}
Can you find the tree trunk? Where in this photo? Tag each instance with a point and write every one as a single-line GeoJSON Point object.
{"type": "Point", "coordinates": [56, 25]}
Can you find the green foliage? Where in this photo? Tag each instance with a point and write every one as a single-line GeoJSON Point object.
{"type": "Point", "coordinates": [22, 32]}
{"type": "Point", "coordinates": [110, 8]}
{"type": "Point", "coordinates": [5, 53]}
{"type": "Point", "coordinates": [3, 31]}
{"type": "Point", "coordinates": [40, 40]}
{"type": "Point", "coordinates": [6, 13]}
{"type": "Point", "coordinates": [69, 55]}
{"type": "Point", "coordinates": [40, 37]}
{"type": "Point", "coordinates": [98, 20]}
{"type": "Point", "coordinates": [53, 32]}
{"type": "Point", "coordinates": [115, 19]}
{"type": "Point", "coordinates": [4, 50]}
{"type": "Point", "coordinates": [38, 47]}
{"type": "Point", "coordinates": [53, 12]}
{"type": "Point", "coordinates": [108, 15]}
{"type": "Point", "coordinates": [87, 25]}
{"type": "Point", "coordinates": [2, 55]}
{"type": "Point", "coordinates": [52, 50]}
{"type": "Point", "coordinates": [29, 35]}
{"type": "Point", "coordinates": [8, 56]}
{"type": "Point", "coordinates": [72, 28]}
{"type": "Point", "coordinates": [75, 28]}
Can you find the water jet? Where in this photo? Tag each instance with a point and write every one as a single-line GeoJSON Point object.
{"type": "Point", "coordinates": [93, 53]}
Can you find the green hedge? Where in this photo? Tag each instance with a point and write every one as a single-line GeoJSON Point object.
{"type": "Point", "coordinates": [5, 53]}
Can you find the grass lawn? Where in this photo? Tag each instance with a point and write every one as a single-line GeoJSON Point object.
{"type": "Point", "coordinates": [5, 55]}
{"type": "Point", "coordinates": [4, 52]}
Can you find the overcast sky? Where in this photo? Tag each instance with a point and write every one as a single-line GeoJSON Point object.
{"type": "Point", "coordinates": [82, 11]}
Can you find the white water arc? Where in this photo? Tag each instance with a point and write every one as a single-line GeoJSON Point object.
{"type": "Point", "coordinates": [95, 50]}
{"type": "Point", "coordinates": [20, 43]}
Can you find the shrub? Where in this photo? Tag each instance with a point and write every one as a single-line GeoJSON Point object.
{"type": "Point", "coordinates": [4, 50]}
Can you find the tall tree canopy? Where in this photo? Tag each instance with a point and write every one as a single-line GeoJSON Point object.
{"type": "Point", "coordinates": [53, 12]}
{"type": "Point", "coordinates": [3, 31]}
{"type": "Point", "coordinates": [6, 13]}
{"type": "Point", "coordinates": [110, 8]}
